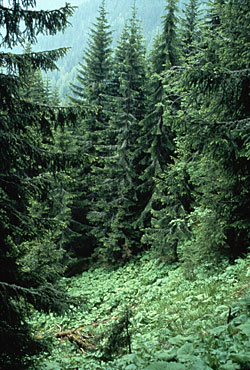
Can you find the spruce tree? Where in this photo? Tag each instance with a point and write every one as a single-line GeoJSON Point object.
{"type": "Point", "coordinates": [214, 130]}
{"type": "Point", "coordinates": [93, 82]}
{"type": "Point", "coordinates": [24, 125]}
{"type": "Point", "coordinates": [190, 31]}
{"type": "Point", "coordinates": [123, 166]}
{"type": "Point", "coordinates": [159, 134]}
{"type": "Point", "coordinates": [55, 98]}
{"type": "Point", "coordinates": [173, 194]}
{"type": "Point", "coordinates": [32, 88]}
{"type": "Point", "coordinates": [93, 72]}
{"type": "Point", "coordinates": [157, 137]}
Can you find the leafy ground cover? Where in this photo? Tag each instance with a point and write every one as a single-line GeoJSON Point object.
{"type": "Point", "coordinates": [148, 315]}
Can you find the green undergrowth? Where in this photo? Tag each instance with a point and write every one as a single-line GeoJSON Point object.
{"type": "Point", "coordinates": [148, 315]}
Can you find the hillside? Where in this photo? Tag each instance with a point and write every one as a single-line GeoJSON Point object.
{"type": "Point", "coordinates": [175, 321]}
{"type": "Point", "coordinates": [76, 36]}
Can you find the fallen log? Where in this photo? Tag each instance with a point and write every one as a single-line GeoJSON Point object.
{"type": "Point", "coordinates": [83, 341]}
{"type": "Point", "coordinates": [65, 333]}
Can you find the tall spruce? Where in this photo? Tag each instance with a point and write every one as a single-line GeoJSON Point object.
{"type": "Point", "coordinates": [94, 71]}
{"type": "Point", "coordinates": [173, 194]}
{"type": "Point", "coordinates": [24, 126]}
{"type": "Point", "coordinates": [33, 88]}
{"type": "Point", "coordinates": [215, 130]}
{"type": "Point", "coordinates": [190, 31]}
{"type": "Point", "coordinates": [123, 166]}
{"type": "Point", "coordinates": [159, 135]}
{"type": "Point", "coordinates": [93, 83]}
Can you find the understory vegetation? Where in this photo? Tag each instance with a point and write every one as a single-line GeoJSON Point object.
{"type": "Point", "coordinates": [174, 323]}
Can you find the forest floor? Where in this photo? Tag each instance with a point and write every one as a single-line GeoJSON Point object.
{"type": "Point", "coordinates": [151, 315]}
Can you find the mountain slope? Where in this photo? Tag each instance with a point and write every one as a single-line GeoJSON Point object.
{"type": "Point", "coordinates": [150, 13]}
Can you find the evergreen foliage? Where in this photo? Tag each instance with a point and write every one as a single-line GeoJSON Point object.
{"type": "Point", "coordinates": [220, 171]}
{"type": "Point", "coordinates": [195, 217]}
{"type": "Point", "coordinates": [33, 88]}
{"type": "Point", "coordinates": [190, 31]}
{"type": "Point", "coordinates": [94, 76]}
{"type": "Point", "coordinates": [159, 135]}
{"type": "Point", "coordinates": [152, 178]}
{"type": "Point", "coordinates": [93, 72]}
{"type": "Point", "coordinates": [25, 128]}
{"type": "Point", "coordinates": [123, 164]}
{"type": "Point", "coordinates": [117, 339]}
{"type": "Point", "coordinates": [173, 195]}
{"type": "Point", "coordinates": [82, 20]}
{"type": "Point", "coordinates": [22, 25]}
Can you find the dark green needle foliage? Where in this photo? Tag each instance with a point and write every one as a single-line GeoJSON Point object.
{"type": "Point", "coordinates": [33, 87]}
{"type": "Point", "coordinates": [94, 70]}
{"type": "Point", "coordinates": [158, 158]}
{"type": "Point", "coordinates": [117, 339]}
{"type": "Point", "coordinates": [214, 129]}
{"type": "Point", "coordinates": [92, 86]}
{"type": "Point", "coordinates": [25, 128]}
{"type": "Point", "coordinates": [158, 138]}
{"type": "Point", "coordinates": [190, 31]}
{"type": "Point", "coordinates": [172, 198]}
{"type": "Point", "coordinates": [159, 135]}
{"type": "Point", "coordinates": [201, 198]}
{"type": "Point", "coordinates": [123, 167]}
{"type": "Point", "coordinates": [166, 141]}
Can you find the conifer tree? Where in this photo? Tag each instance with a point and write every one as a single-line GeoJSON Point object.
{"type": "Point", "coordinates": [93, 82]}
{"type": "Point", "coordinates": [158, 137]}
{"type": "Point", "coordinates": [190, 29]}
{"type": "Point", "coordinates": [48, 91]}
{"type": "Point", "coordinates": [123, 168]}
{"type": "Point", "coordinates": [93, 72]}
{"type": "Point", "coordinates": [32, 88]}
{"type": "Point", "coordinates": [55, 98]}
{"type": "Point", "coordinates": [173, 194]}
{"type": "Point", "coordinates": [214, 130]}
{"type": "Point", "coordinates": [24, 125]}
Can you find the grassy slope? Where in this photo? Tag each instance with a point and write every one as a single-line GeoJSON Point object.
{"type": "Point", "coordinates": [175, 323]}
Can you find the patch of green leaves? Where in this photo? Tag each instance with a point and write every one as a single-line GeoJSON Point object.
{"type": "Point", "coordinates": [173, 321]}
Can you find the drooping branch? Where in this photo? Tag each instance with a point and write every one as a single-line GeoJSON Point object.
{"type": "Point", "coordinates": [44, 60]}
{"type": "Point", "coordinates": [46, 297]}
{"type": "Point", "coordinates": [22, 25]}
